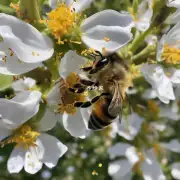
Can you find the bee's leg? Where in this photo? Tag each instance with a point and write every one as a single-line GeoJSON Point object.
{"type": "Point", "coordinates": [89, 103]}
{"type": "Point", "coordinates": [82, 86]}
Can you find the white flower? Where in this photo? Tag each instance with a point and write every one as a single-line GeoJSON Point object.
{"type": "Point", "coordinates": [170, 112]}
{"type": "Point", "coordinates": [107, 30]}
{"type": "Point", "coordinates": [78, 5]}
{"type": "Point", "coordinates": [122, 168]}
{"type": "Point", "coordinates": [161, 80]}
{"type": "Point", "coordinates": [168, 47]}
{"type": "Point", "coordinates": [173, 146]}
{"type": "Point", "coordinates": [75, 124]}
{"type": "Point", "coordinates": [129, 127]}
{"type": "Point", "coordinates": [34, 147]}
{"type": "Point", "coordinates": [143, 16]}
{"type": "Point", "coordinates": [23, 47]}
{"type": "Point", "coordinates": [23, 84]}
{"type": "Point", "coordinates": [175, 170]}
{"type": "Point", "coordinates": [173, 3]}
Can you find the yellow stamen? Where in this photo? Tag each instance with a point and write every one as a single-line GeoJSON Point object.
{"type": "Point", "coordinates": [86, 52]}
{"type": "Point", "coordinates": [24, 136]}
{"type": "Point", "coordinates": [4, 59]}
{"type": "Point", "coordinates": [100, 164]}
{"type": "Point", "coordinates": [69, 98]}
{"type": "Point", "coordinates": [61, 20]}
{"type": "Point", "coordinates": [171, 55]}
{"type": "Point", "coordinates": [106, 39]}
{"type": "Point", "coordinates": [136, 167]}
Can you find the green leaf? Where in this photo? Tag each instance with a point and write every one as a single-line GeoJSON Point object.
{"type": "Point", "coordinates": [5, 81]}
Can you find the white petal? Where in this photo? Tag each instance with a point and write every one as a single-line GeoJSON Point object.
{"type": "Point", "coordinates": [132, 155]}
{"type": "Point", "coordinates": [71, 62]}
{"type": "Point", "coordinates": [25, 40]}
{"type": "Point", "coordinates": [144, 20]}
{"type": "Point", "coordinates": [53, 3]}
{"type": "Point", "coordinates": [32, 161]}
{"type": "Point", "coordinates": [130, 126]}
{"type": "Point", "coordinates": [173, 3]}
{"type": "Point", "coordinates": [4, 131]}
{"type": "Point", "coordinates": [175, 75]}
{"type": "Point", "coordinates": [174, 18]}
{"type": "Point", "coordinates": [13, 66]}
{"type": "Point", "coordinates": [160, 47]}
{"type": "Point", "coordinates": [107, 18]}
{"type": "Point", "coordinates": [173, 146]}
{"type": "Point", "coordinates": [119, 149]}
{"type": "Point", "coordinates": [29, 82]}
{"type": "Point", "coordinates": [54, 149]}
{"type": "Point", "coordinates": [48, 121]}
{"type": "Point", "coordinates": [19, 86]}
{"type": "Point", "coordinates": [175, 171]}
{"type": "Point", "coordinates": [16, 160]}
{"type": "Point", "coordinates": [21, 108]}
{"type": "Point", "coordinates": [95, 38]}
{"type": "Point", "coordinates": [151, 169]}
{"type": "Point", "coordinates": [54, 96]}
{"type": "Point", "coordinates": [75, 124]}
{"type": "Point", "coordinates": [81, 5]}
{"type": "Point", "coordinates": [119, 169]}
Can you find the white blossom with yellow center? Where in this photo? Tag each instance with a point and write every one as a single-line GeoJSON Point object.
{"type": "Point", "coordinates": [33, 146]}
{"type": "Point", "coordinates": [123, 168]}
{"type": "Point", "coordinates": [22, 47]}
{"type": "Point", "coordinates": [142, 18]}
{"type": "Point", "coordinates": [168, 49]}
{"type": "Point", "coordinates": [74, 119]}
{"type": "Point", "coordinates": [162, 80]}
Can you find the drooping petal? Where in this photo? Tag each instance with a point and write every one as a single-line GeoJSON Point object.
{"type": "Point", "coordinates": [149, 94]}
{"type": "Point", "coordinates": [71, 62]}
{"type": "Point", "coordinates": [12, 65]}
{"type": "Point", "coordinates": [16, 160]}
{"type": "Point", "coordinates": [119, 168]}
{"type": "Point", "coordinates": [150, 167]}
{"type": "Point", "coordinates": [21, 108]}
{"type": "Point", "coordinates": [130, 126]}
{"type": "Point", "coordinates": [173, 146]}
{"type": "Point", "coordinates": [107, 18]}
{"type": "Point", "coordinates": [107, 30]}
{"type": "Point", "coordinates": [95, 38]}
{"type": "Point", "coordinates": [48, 121]}
{"type": "Point", "coordinates": [26, 42]}
{"type": "Point", "coordinates": [75, 124]}
{"type": "Point", "coordinates": [175, 170]}
{"type": "Point", "coordinates": [54, 149]}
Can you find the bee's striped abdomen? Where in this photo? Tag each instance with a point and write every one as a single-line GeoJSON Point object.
{"type": "Point", "coordinates": [100, 118]}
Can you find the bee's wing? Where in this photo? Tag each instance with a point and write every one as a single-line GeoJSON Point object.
{"type": "Point", "coordinates": [115, 107]}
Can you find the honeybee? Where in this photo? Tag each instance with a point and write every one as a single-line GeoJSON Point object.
{"type": "Point", "coordinates": [112, 73]}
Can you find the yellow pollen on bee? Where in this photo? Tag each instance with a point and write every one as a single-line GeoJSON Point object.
{"type": "Point", "coordinates": [69, 108]}
{"type": "Point", "coordinates": [171, 55]}
{"type": "Point", "coordinates": [106, 39]}
{"type": "Point", "coordinates": [23, 136]}
{"type": "Point", "coordinates": [61, 20]}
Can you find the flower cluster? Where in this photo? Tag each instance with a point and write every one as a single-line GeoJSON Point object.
{"type": "Point", "coordinates": [52, 55]}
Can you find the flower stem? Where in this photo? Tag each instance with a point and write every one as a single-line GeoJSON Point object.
{"type": "Point", "coordinates": [7, 10]}
{"type": "Point", "coordinates": [31, 9]}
